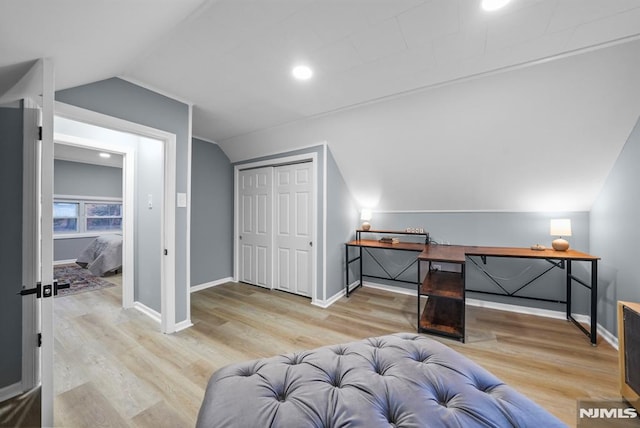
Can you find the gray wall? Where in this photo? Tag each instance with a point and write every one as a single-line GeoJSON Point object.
{"type": "Point", "coordinates": [615, 233]}
{"type": "Point", "coordinates": [124, 100]}
{"type": "Point", "coordinates": [512, 229]}
{"type": "Point", "coordinates": [81, 179]}
{"type": "Point", "coordinates": [69, 248]}
{"type": "Point", "coordinates": [211, 214]}
{"type": "Point", "coordinates": [11, 246]}
{"type": "Point", "coordinates": [148, 243]}
{"type": "Point", "coordinates": [319, 150]}
{"type": "Point", "coordinates": [342, 217]}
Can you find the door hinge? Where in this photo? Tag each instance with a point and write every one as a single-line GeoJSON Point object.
{"type": "Point", "coordinates": [39, 340]}
{"type": "Point", "coordinates": [40, 133]}
{"type": "Point", "coordinates": [166, 252]}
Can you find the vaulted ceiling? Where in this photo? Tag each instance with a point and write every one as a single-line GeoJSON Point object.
{"type": "Point", "coordinates": [517, 68]}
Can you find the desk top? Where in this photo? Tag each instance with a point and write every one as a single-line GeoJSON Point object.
{"type": "Point", "coordinates": [457, 253]}
{"type": "Point", "coordinates": [372, 243]}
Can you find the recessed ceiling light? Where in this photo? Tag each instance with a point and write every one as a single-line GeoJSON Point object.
{"type": "Point", "coordinates": [105, 155]}
{"type": "Point", "coordinates": [302, 72]}
{"type": "Point", "coordinates": [490, 5]}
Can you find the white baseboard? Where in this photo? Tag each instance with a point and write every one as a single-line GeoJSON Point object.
{"type": "Point", "coordinates": [64, 262]}
{"type": "Point", "coordinates": [324, 304]}
{"type": "Point", "coordinates": [10, 391]}
{"type": "Point", "coordinates": [608, 337]}
{"type": "Point", "coordinates": [390, 288]}
{"type": "Point", "coordinates": [547, 313]}
{"type": "Point", "coordinates": [210, 284]}
{"type": "Point", "coordinates": [183, 325]}
{"type": "Point", "coordinates": [148, 311]}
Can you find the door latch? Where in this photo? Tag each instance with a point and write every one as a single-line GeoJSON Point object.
{"type": "Point", "coordinates": [37, 290]}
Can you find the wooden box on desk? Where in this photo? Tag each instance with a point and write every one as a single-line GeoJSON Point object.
{"type": "Point", "coordinates": [629, 351]}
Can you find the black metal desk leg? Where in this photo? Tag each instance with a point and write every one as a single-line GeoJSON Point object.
{"type": "Point", "coordinates": [346, 258]}
{"type": "Point", "coordinates": [418, 295]}
{"type": "Point", "coordinates": [594, 302]}
{"type": "Point", "coordinates": [568, 289]}
{"type": "Point", "coordinates": [360, 285]}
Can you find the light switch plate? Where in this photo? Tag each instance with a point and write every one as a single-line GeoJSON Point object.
{"type": "Point", "coordinates": [182, 200]}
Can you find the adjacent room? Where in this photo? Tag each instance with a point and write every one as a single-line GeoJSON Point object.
{"type": "Point", "coordinates": [320, 213]}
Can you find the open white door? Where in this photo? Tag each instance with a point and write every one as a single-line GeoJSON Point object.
{"type": "Point", "coordinates": [34, 93]}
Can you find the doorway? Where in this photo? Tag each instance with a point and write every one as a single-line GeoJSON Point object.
{"type": "Point", "coordinates": [148, 200]}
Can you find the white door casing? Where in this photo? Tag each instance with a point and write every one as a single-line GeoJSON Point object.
{"type": "Point", "coordinates": [293, 228]}
{"type": "Point", "coordinates": [255, 226]}
{"type": "Point", "coordinates": [168, 290]}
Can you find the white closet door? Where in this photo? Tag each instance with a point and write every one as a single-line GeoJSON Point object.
{"type": "Point", "coordinates": [294, 226]}
{"type": "Point", "coordinates": [255, 194]}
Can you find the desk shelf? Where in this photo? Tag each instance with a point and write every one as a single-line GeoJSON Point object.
{"type": "Point", "coordinates": [443, 317]}
{"type": "Point", "coordinates": [444, 311]}
{"type": "Point", "coordinates": [443, 284]}
{"type": "Point", "coordinates": [421, 235]}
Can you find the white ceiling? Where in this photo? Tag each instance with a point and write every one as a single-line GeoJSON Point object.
{"type": "Point", "coordinates": [232, 59]}
{"type": "Point", "coordinates": [85, 155]}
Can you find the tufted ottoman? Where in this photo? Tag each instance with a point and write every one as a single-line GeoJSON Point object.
{"type": "Point", "coordinates": [402, 380]}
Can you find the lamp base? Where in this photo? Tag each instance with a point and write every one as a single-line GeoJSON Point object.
{"type": "Point", "coordinates": [560, 244]}
{"type": "Point", "coordinates": [366, 225]}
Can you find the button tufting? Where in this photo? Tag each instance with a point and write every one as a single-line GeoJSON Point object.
{"type": "Point", "coordinates": [294, 361]}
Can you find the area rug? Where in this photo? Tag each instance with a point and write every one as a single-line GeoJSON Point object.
{"type": "Point", "coordinates": [81, 280]}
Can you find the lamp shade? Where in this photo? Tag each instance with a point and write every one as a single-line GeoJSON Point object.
{"type": "Point", "coordinates": [365, 215]}
{"type": "Point", "coordinates": [560, 227]}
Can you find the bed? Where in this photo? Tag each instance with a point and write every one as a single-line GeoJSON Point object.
{"type": "Point", "coordinates": [103, 255]}
{"type": "Point", "coordinates": [399, 380]}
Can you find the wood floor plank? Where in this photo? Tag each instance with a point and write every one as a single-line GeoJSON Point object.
{"type": "Point", "coordinates": [86, 406]}
{"type": "Point", "coordinates": [145, 378]}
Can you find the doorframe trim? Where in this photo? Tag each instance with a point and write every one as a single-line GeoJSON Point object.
{"type": "Point", "coordinates": [274, 162]}
{"type": "Point", "coordinates": [168, 288]}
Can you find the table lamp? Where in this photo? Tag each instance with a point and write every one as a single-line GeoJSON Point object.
{"type": "Point", "coordinates": [365, 216]}
{"type": "Point", "coordinates": [560, 227]}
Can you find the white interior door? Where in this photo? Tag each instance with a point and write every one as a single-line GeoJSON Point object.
{"type": "Point", "coordinates": [294, 228]}
{"type": "Point", "coordinates": [256, 236]}
{"type": "Point", "coordinates": [35, 90]}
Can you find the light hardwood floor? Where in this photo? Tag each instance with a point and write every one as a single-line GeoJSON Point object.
{"type": "Point", "coordinates": [114, 368]}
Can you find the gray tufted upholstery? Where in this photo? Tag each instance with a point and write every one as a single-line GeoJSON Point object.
{"type": "Point", "coordinates": [400, 380]}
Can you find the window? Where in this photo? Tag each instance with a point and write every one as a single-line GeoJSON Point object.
{"type": "Point", "coordinates": [86, 216]}
{"type": "Point", "coordinates": [103, 217]}
{"type": "Point", "coordinates": [65, 217]}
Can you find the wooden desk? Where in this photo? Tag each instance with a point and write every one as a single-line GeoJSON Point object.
{"type": "Point", "coordinates": [459, 254]}
{"type": "Point", "coordinates": [558, 259]}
